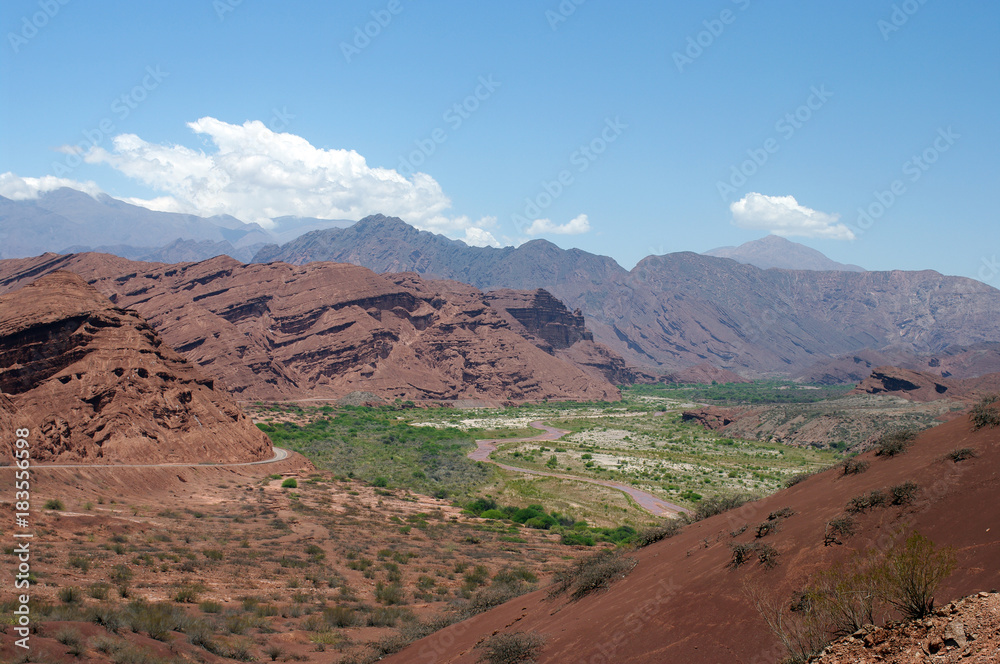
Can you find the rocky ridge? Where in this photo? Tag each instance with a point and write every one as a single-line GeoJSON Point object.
{"type": "Point", "coordinates": [324, 330]}
{"type": "Point", "coordinates": [95, 383]}
{"type": "Point", "coordinates": [676, 310]}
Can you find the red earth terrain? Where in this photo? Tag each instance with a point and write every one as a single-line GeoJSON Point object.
{"type": "Point", "coordinates": [95, 383]}
{"type": "Point", "coordinates": [684, 602]}
{"type": "Point", "coordinates": [276, 331]}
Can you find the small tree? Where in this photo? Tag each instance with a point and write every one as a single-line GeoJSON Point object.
{"type": "Point", "coordinates": [910, 574]}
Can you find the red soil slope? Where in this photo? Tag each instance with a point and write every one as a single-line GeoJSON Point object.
{"type": "Point", "coordinates": [94, 383]}
{"type": "Point", "coordinates": [682, 603]}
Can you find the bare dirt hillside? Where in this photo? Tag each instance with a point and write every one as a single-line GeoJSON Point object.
{"type": "Point", "coordinates": [685, 602]}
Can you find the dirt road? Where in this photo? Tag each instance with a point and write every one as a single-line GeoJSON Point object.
{"type": "Point", "coordinates": [647, 501]}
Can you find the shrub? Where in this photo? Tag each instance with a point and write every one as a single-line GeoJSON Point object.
{"type": "Point", "coordinates": [512, 648]}
{"type": "Point", "coordinates": [895, 443]}
{"type": "Point", "coordinates": [742, 553]}
{"type": "Point", "coordinates": [389, 594]}
{"type": "Point", "coordinates": [290, 483]}
{"type": "Point", "coordinates": [98, 590]}
{"type": "Point", "coordinates": [82, 563]}
{"type": "Point", "coordinates": [477, 576]}
{"type": "Point", "coordinates": [797, 478]}
{"type": "Point", "coordinates": [54, 504]}
{"type": "Point", "coordinates": [855, 466]}
{"type": "Point", "coordinates": [657, 533]}
{"type": "Point", "coordinates": [157, 620]}
{"type": "Point", "coordinates": [106, 645]}
{"type": "Point", "coordinates": [767, 556]}
{"type": "Point", "coordinates": [492, 514]}
{"type": "Point", "coordinates": [574, 538]}
{"type": "Point", "coordinates": [188, 593]}
{"type": "Point", "coordinates": [903, 494]}
{"type": "Point", "coordinates": [984, 414]}
{"type": "Point", "coordinates": [592, 573]}
{"type": "Point", "coordinates": [389, 616]}
{"type": "Point", "coordinates": [210, 607]}
{"type": "Point", "coordinates": [68, 637]}
{"type": "Point", "coordinates": [783, 513]}
{"type": "Point", "coordinates": [721, 503]}
{"type": "Point", "coordinates": [842, 526]}
{"type": "Point", "coordinates": [70, 595]}
{"type": "Point", "coordinates": [912, 572]}
{"type": "Point", "coordinates": [872, 499]}
{"type": "Point", "coordinates": [274, 651]}
{"type": "Point", "coordinates": [340, 616]}
{"type": "Point", "coordinates": [766, 528]}
{"type": "Point", "coordinates": [961, 454]}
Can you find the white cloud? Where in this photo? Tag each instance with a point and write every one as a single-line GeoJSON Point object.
{"type": "Point", "coordinates": [17, 188]}
{"type": "Point", "coordinates": [782, 215]}
{"type": "Point", "coordinates": [575, 226]}
{"type": "Point", "coordinates": [477, 237]}
{"type": "Point", "coordinates": [255, 174]}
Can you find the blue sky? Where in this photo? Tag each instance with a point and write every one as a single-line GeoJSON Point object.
{"type": "Point", "coordinates": [705, 124]}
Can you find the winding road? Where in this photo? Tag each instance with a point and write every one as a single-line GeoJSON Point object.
{"type": "Point", "coordinates": [280, 454]}
{"type": "Point", "coordinates": [647, 501]}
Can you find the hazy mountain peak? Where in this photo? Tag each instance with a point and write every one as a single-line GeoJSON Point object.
{"type": "Point", "coordinates": [775, 251]}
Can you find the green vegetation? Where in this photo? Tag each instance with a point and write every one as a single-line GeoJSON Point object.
{"type": "Point", "coordinates": [985, 413]}
{"type": "Point", "coordinates": [377, 445]}
{"type": "Point", "coordinates": [895, 443]}
{"type": "Point", "coordinates": [290, 483]}
{"type": "Point", "coordinates": [756, 392]}
{"type": "Point", "coordinates": [571, 531]}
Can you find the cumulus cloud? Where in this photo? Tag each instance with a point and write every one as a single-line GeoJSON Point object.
{"type": "Point", "coordinates": [782, 215]}
{"type": "Point", "coordinates": [17, 188]}
{"type": "Point", "coordinates": [574, 226]}
{"type": "Point", "coordinates": [256, 174]}
{"type": "Point", "coordinates": [478, 237]}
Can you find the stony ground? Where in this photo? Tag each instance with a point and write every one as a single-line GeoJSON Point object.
{"type": "Point", "coordinates": [967, 631]}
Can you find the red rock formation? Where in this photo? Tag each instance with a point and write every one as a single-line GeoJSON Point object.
{"type": "Point", "coordinates": [324, 330]}
{"type": "Point", "coordinates": [94, 383]}
{"type": "Point", "coordinates": [551, 326]}
{"type": "Point", "coordinates": [920, 386]}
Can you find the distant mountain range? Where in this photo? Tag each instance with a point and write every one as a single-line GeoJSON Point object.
{"type": "Point", "coordinates": [670, 312]}
{"type": "Point", "coordinates": [774, 251]}
{"type": "Point", "coordinates": [821, 320]}
{"type": "Point", "coordinates": [67, 221]}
